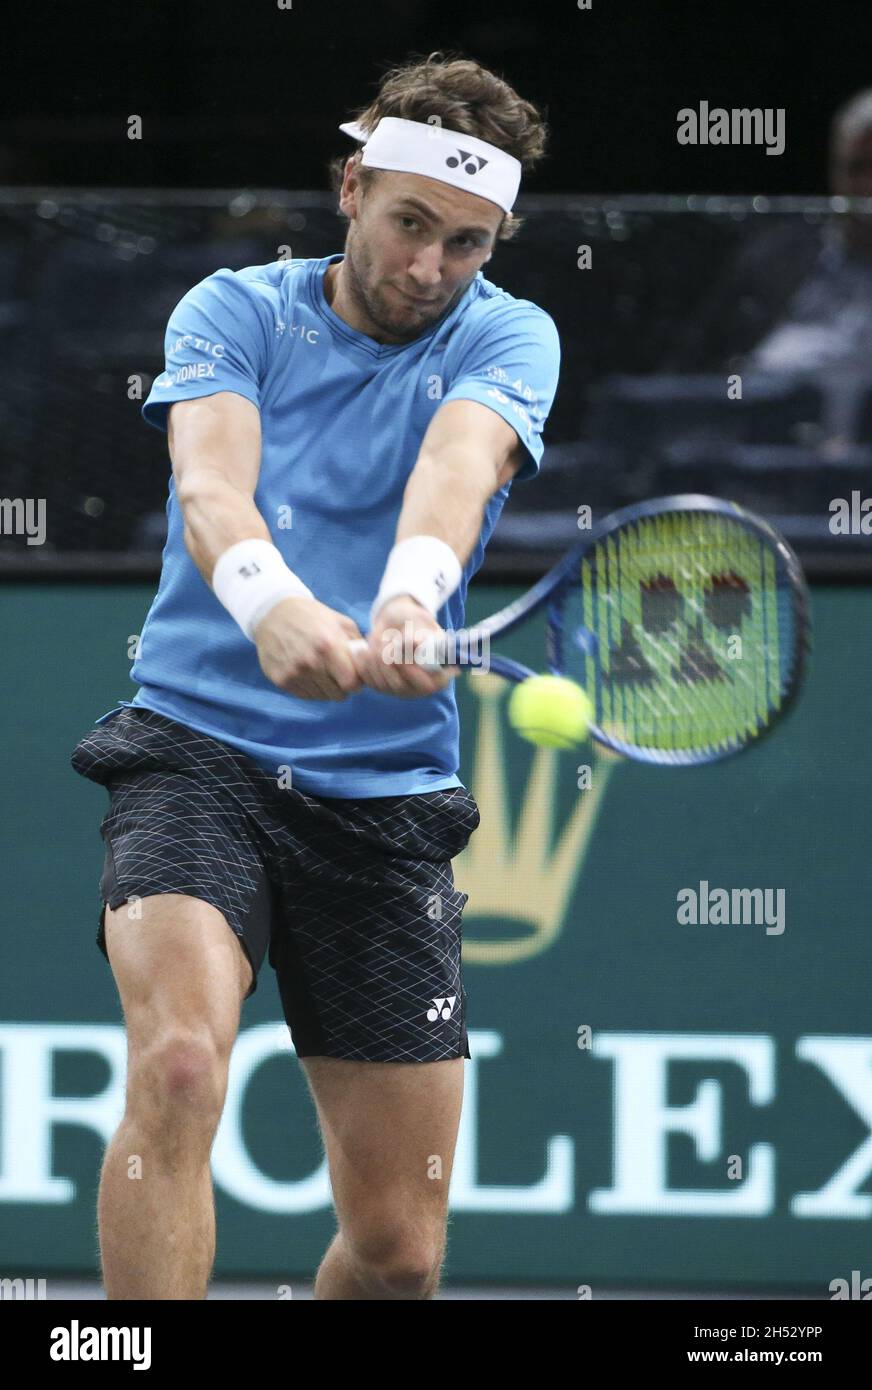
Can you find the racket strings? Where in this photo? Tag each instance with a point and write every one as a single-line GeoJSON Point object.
{"type": "Point", "coordinates": [681, 632]}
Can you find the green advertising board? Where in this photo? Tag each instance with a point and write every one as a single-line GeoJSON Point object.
{"type": "Point", "coordinates": [655, 1096]}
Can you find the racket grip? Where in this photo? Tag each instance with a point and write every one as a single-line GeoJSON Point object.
{"type": "Point", "coordinates": [440, 653]}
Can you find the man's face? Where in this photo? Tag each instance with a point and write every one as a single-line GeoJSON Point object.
{"type": "Point", "coordinates": [414, 245]}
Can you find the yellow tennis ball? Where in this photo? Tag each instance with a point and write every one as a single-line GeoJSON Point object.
{"type": "Point", "coordinates": [551, 711]}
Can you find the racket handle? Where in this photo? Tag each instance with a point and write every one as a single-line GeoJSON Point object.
{"type": "Point", "coordinates": [500, 665]}
{"type": "Point", "coordinates": [440, 654]}
{"type": "Point", "coordinates": [468, 648]}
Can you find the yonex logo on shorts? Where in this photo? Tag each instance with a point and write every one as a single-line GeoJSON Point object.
{"type": "Point", "coordinates": [442, 1008]}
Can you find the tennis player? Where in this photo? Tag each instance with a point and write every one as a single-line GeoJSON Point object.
{"type": "Point", "coordinates": [344, 432]}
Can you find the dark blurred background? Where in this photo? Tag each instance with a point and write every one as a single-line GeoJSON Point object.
{"type": "Point", "coordinates": [706, 260]}
{"type": "Point", "coordinates": [247, 93]}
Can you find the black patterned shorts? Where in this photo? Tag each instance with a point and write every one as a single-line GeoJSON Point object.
{"type": "Point", "coordinates": [353, 899]}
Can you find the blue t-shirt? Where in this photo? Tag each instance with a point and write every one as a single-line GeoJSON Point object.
{"type": "Point", "coordinates": [342, 421]}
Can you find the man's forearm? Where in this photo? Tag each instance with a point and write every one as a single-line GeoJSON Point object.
{"type": "Point", "coordinates": [216, 515]}
{"type": "Point", "coordinates": [446, 496]}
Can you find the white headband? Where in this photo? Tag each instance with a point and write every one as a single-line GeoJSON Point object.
{"type": "Point", "coordinates": [416, 147]}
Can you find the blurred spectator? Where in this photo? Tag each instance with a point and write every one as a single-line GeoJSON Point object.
{"type": "Point", "coordinates": [798, 297]}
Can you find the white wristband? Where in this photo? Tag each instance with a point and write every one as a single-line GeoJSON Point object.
{"type": "Point", "coordinates": [250, 578]}
{"type": "Point", "coordinates": [423, 566]}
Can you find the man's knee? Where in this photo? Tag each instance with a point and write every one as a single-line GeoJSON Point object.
{"type": "Point", "coordinates": [401, 1259]}
{"type": "Point", "coordinates": [178, 1079]}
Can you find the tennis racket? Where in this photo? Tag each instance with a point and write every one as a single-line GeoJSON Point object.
{"type": "Point", "coordinates": [685, 619]}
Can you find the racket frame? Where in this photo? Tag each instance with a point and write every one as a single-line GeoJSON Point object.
{"type": "Point", "coordinates": [553, 586]}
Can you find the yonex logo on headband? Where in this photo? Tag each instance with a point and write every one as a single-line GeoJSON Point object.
{"type": "Point", "coordinates": [471, 168]}
{"type": "Point", "coordinates": [413, 147]}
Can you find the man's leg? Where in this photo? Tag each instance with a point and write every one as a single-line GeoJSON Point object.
{"type": "Point", "coordinates": [182, 975]}
{"type": "Point", "coordinates": [389, 1129]}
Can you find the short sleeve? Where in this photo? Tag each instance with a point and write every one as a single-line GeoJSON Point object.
{"type": "Point", "coordinates": [217, 339]}
{"type": "Point", "coordinates": [513, 366]}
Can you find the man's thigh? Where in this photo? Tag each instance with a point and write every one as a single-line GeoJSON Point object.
{"type": "Point", "coordinates": [390, 1130]}
{"type": "Point", "coordinates": [178, 967]}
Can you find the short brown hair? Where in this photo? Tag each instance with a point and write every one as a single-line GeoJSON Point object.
{"type": "Point", "coordinates": [464, 96]}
